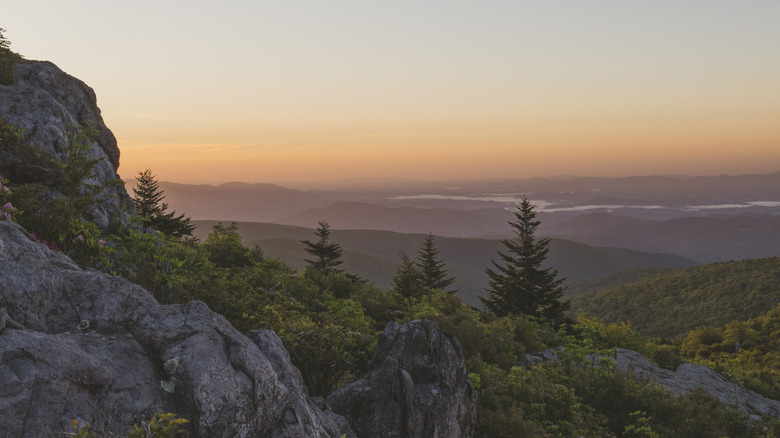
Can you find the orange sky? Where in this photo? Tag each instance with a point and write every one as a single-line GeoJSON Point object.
{"type": "Point", "coordinates": [303, 91]}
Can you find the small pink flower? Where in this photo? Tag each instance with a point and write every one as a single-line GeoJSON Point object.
{"type": "Point", "coordinates": [102, 242]}
{"type": "Point", "coordinates": [80, 238]}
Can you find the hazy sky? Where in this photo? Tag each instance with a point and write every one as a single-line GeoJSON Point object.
{"type": "Point", "coordinates": [275, 91]}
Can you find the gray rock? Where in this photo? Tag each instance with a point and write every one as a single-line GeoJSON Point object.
{"type": "Point", "coordinates": [45, 101]}
{"type": "Point", "coordinates": [111, 373]}
{"type": "Point", "coordinates": [684, 380]}
{"type": "Point", "coordinates": [419, 387]}
{"type": "Point", "coordinates": [690, 377]}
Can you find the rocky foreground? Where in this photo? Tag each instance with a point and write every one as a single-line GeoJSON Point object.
{"type": "Point", "coordinates": [79, 344]}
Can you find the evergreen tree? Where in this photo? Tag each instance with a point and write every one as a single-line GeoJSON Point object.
{"type": "Point", "coordinates": [432, 269]}
{"type": "Point", "coordinates": [148, 199]}
{"type": "Point", "coordinates": [8, 60]}
{"type": "Point", "coordinates": [520, 285]}
{"type": "Point", "coordinates": [408, 279]}
{"type": "Point", "coordinates": [325, 253]}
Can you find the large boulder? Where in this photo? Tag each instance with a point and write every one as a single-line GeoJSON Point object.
{"type": "Point", "coordinates": [689, 377]}
{"type": "Point", "coordinates": [418, 387]}
{"type": "Point", "coordinates": [78, 344]}
{"type": "Point", "coordinates": [45, 102]}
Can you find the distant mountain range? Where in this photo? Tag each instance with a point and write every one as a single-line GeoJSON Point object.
{"type": "Point", "coordinates": [705, 239]}
{"type": "Point", "coordinates": [706, 219]}
{"type": "Point", "coordinates": [374, 254]}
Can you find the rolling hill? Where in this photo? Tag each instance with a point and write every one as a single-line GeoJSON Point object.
{"type": "Point", "coordinates": [674, 303]}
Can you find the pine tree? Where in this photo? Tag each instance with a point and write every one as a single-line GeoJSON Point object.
{"type": "Point", "coordinates": [408, 279]}
{"type": "Point", "coordinates": [325, 253]}
{"type": "Point", "coordinates": [520, 285]}
{"type": "Point", "coordinates": [8, 60]}
{"type": "Point", "coordinates": [148, 199]}
{"type": "Point", "coordinates": [432, 269]}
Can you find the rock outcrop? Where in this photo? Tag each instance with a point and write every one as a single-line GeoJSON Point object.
{"type": "Point", "coordinates": [77, 344]}
{"type": "Point", "coordinates": [684, 380]}
{"type": "Point", "coordinates": [689, 377]}
{"type": "Point", "coordinates": [81, 345]}
{"type": "Point", "coordinates": [418, 387]}
{"type": "Point", "coordinates": [45, 102]}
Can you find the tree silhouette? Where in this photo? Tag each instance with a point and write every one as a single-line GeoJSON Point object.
{"type": "Point", "coordinates": [325, 254]}
{"type": "Point", "coordinates": [148, 199]}
{"type": "Point", "coordinates": [520, 285]}
{"type": "Point", "coordinates": [408, 279]}
{"type": "Point", "coordinates": [431, 268]}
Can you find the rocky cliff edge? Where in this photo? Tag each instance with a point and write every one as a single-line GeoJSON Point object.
{"type": "Point", "coordinates": [46, 102]}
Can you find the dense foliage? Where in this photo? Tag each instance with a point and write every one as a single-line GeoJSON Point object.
{"type": "Point", "coordinates": [677, 302]}
{"type": "Point", "coordinates": [60, 216]}
{"type": "Point", "coordinates": [747, 352]}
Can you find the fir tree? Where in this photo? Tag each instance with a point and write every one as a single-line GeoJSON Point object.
{"type": "Point", "coordinates": [148, 199]}
{"type": "Point", "coordinates": [519, 285]}
{"type": "Point", "coordinates": [325, 253]}
{"type": "Point", "coordinates": [431, 268]}
{"type": "Point", "coordinates": [408, 279]}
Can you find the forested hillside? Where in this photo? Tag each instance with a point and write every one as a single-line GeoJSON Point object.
{"type": "Point", "coordinates": [675, 303]}
{"type": "Point", "coordinates": [748, 352]}
{"type": "Point", "coordinates": [373, 254]}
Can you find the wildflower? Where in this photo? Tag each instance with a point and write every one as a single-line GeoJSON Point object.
{"type": "Point", "coordinates": [102, 242]}
{"type": "Point", "coordinates": [7, 209]}
{"type": "Point", "coordinates": [80, 238]}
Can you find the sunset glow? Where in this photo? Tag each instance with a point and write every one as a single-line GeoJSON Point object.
{"type": "Point", "coordinates": [305, 91]}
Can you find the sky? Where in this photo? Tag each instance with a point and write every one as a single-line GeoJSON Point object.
{"type": "Point", "coordinates": [282, 91]}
